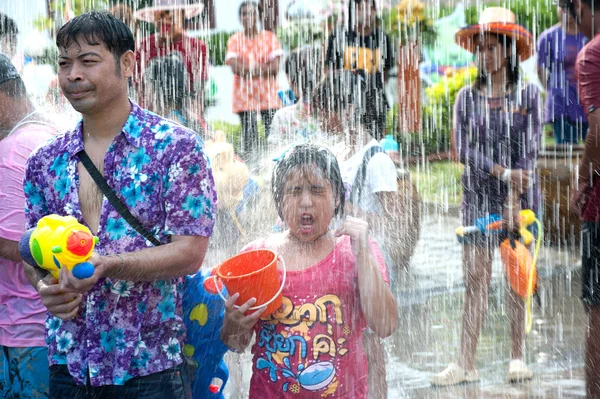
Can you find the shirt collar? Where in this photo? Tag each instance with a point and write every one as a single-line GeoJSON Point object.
{"type": "Point", "coordinates": [131, 130]}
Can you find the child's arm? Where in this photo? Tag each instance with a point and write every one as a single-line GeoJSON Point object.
{"type": "Point", "coordinates": [376, 299]}
{"type": "Point", "coordinates": [238, 329]}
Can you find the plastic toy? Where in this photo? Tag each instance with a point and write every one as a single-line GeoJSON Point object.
{"type": "Point", "coordinates": [59, 241]}
{"type": "Point", "coordinates": [203, 313]}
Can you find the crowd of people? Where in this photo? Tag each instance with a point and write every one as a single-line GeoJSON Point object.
{"type": "Point", "coordinates": [167, 183]}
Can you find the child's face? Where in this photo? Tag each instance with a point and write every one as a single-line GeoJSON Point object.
{"type": "Point", "coordinates": [308, 203]}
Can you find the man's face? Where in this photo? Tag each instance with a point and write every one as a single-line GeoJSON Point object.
{"type": "Point", "coordinates": [249, 17]}
{"type": "Point", "coordinates": [585, 18]}
{"type": "Point", "coordinates": [169, 23]}
{"type": "Point", "coordinates": [365, 12]}
{"type": "Point", "coordinates": [90, 77]}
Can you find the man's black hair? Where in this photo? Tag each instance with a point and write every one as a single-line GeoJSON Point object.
{"type": "Point", "coordinates": [97, 27]}
{"type": "Point", "coordinates": [512, 73]}
{"type": "Point", "coordinates": [341, 90]}
{"type": "Point", "coordinates": [303, 68]}
{"type": "Point", "coordinates": [351, 5]}
{"type": "Point", "coordinates": [8, 27]}
{"type": "Point", "coordinates": [168, 77]}
{"type": "Point", "coordinates": [14, 88]}
{"type": "Point", "coordinates": [250, 3]}
{"type": "Point", "coordinates": [307, 157]}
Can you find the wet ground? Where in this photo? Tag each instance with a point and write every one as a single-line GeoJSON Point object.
{"type": "Point", "coordinates": [429, 337]}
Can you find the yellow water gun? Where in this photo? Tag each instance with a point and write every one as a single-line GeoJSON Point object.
{"type": "Point", "coordinates": [57, 242]}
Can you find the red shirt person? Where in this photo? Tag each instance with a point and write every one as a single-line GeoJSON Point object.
{"type": "Point", "coordinates": [587, 197]}
{"type": "Point", "coordinates": [169, 18]}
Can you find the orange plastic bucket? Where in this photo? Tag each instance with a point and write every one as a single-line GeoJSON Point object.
{"type": "Point", "coordinates": [253, 274]}
{"type": "Point", "coordinates": [517, 264]}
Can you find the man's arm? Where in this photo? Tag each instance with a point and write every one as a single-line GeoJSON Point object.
{"type": "Point", "coordinates": [9, 250]}
{"type": "Point", "coordinates": [590, 162]}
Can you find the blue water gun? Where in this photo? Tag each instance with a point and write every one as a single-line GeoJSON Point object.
{"type": "Point", "coordinates": [203, 313]}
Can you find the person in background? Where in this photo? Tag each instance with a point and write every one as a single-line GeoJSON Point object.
{"type": "Point", "coordinates": [8, 40]}
{"type": "Point", "coordinates": [366, 48]}
{"type": "Point", "coordinates": [557, 50]}
{"type": "Point", "coordinates": [118, 333]}
{"type": "Point", "coordinates": [586, 198]}
{"type": "Point", "coordinates": [296, 123]}
{"type": "Point", "coordinates": [169, 18]}
{"type": "Point", "coordinates": [167, 91]}
{"type": "Point", "coordinates": [23, 355]}
{"type": "Point", "coordinates": [123, 10]}
{"type": "Point", "coordinates": [497, 133]}
{"type": "Point", "coordinates": [253, 55]}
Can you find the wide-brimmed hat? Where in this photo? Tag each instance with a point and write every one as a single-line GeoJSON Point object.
{"type": "Point", "coordinates": [191, 7]}
{"type": "Point", "coordinates": [500, 21]}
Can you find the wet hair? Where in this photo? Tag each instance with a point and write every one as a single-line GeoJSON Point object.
{"type": "Point", "coordinates": [168, 77]}
{"type": "Point", "coordinates": [14, 88]}
{"type": "Point", "coordinates": [512, 73]}
{"type": "Point", "coordinates": [342, 90]}
{"type": "Point", "coordinates": [308, 156]}
{"type": "Point", "coordinates": [250, 3]}
{"type": "Point", "coordinates": [97, 27]}
{"type": "Point", "coordinates": [303, 68]}
{"type": "Point", "coordinates": [8, 27]}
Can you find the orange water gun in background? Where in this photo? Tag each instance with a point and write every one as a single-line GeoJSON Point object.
{"type": "Point", "coordinates": [57, 242]}
{"type": "Point", "coordinates": [519, 263]}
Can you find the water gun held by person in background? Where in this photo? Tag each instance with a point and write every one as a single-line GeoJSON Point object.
{"type": "Point", "coordinates": [57, 242]}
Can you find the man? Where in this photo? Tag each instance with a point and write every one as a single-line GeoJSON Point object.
{"type": "Point", "coordinates": [168, 17]}
{"type": "Point", "coordinates": [119, 332]}
{"type": "Point", "coordinates": [365, 48]}
{"type": "Point", "coordinates": [588, 75]}
{"type": "Point", "coordinates": [23, 356]}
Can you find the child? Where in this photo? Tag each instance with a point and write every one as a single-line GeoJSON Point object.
{"type": "Point", "coordinates": [336, 287]}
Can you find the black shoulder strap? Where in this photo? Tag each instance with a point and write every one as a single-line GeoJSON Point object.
{"type": "Point", "coordinates": [361, 174]}
{"type": "Point", "coordinates": [114, 200]}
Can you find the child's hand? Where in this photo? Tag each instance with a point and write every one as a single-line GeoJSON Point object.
{"type": "Point", "coordinates": [358, 231]}
{"type": "Point", "coordinates": [236, 325]}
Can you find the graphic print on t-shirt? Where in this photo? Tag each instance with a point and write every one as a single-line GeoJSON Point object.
{"type": "Point", "coordinates": [303, 343]}
{"type": "Point", "coordinates": [362, 58]}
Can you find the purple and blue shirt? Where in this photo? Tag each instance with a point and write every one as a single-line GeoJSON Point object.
{"type": "Point", "coordinates": [126, 329]}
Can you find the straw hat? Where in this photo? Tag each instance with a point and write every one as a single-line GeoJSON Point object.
{"type": "Point", "coordinates": [501, 21]}
{"type": "Point", "coordinates": [230, 175]}
{"type": "Point", "coordinates": [190, 7]}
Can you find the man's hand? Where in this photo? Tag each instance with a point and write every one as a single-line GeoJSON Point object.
{"type": "Point", "coordinates": [63, 305]}
{"type": "Point", "coordinates": [520, 179]}
{"type": "Point", "coordinates": [358, 231]}
{"type": "Point", "coordinates": [70, 283]}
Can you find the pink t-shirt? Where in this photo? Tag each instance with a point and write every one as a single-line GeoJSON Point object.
{"type": "Point", "coordinates": [312, 346]}
{"type": "Point", "coordinates": [22, 315]}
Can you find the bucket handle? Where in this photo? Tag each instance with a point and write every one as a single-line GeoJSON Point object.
{"type": "Point", "coordinates": [279, 258]}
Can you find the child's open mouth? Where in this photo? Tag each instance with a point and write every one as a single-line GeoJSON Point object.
{"type": "Point", "coordinates": [306, 223]}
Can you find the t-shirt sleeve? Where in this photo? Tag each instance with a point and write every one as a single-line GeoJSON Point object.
{"type": "Point", "coordinates": [275, 50]}
{"type": "Point", "coordinates": [258, 244]}
{"type": "Point", "coordinates": [380, 259]}
{"type": "Point", "coordinates": [12, 171]}
{"type": "Point", "coordinates": [542, 50]}
{"type": "Point", "coordinates": [233, 48]}
{"type": "Point", "coordinates": [202, 65]}
{"type": "Point", "coordinates": [588, 67]}
{"type": "Point", "coordinates": [389, 53]}
{"type": "Point", "coordinates": [381, 174]}
{"type": "Point", "coordinates": [333, 58]}
{"type": "Point", "coordinates": [190, 198]}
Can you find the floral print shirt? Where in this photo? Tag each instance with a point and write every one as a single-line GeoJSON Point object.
{"type": "Point", "coordinates": [158, 168]}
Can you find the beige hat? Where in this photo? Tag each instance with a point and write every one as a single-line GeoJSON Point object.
{"type": "Point", "coordinates": [500, 21]}
{"type": "Point", "coordinates": [191, 8]}
{"type": "Point", "coordinates": [230, 174]}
